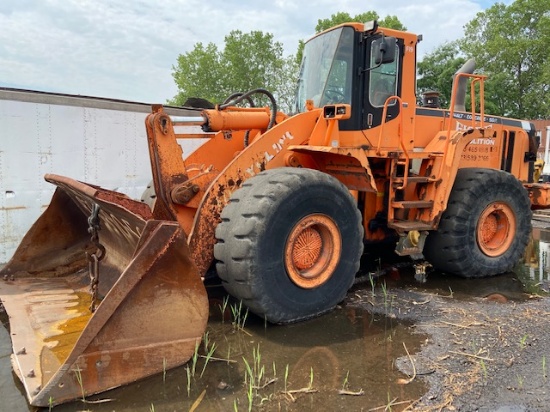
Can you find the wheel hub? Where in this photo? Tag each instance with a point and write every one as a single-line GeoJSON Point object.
{"type": "Point", "coordinates": [496, 229]}
{"type": "Point", "coordinates": [312, 251]}
{"type": "Point", "coordinates": [307, 248]}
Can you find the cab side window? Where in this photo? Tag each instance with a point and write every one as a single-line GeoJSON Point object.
{"type": "Point", "coordinates": [383, 81]}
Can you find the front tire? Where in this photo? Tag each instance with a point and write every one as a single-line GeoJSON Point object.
{"type": "Point", "coordinates": [289, 243]}
{"type": "Point", "coordinates": [486, 226]}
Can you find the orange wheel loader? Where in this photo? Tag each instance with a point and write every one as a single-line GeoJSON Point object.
{"type": "Point", "coordinates": [104, 290]}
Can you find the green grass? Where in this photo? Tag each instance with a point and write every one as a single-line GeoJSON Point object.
{"type": "Point", "coordinates": [286, 378]}
{"type": "Point", "coordinates": [372, 284]}
{"type": "Point", "coordinates": [239, 315]}
{"type": "Point", "coordinates": [520, 381]}
{"type": "Point", "coordinates": [194, 359]}
{"type": "Point", "coordinates": [188, 372]}
{"type": "Point", "coordinates": [208, 357]}
{"type": "Point", "coordinates": [346, 381]}
{"type": "Point", "coordinates": [483, 368]}
{"type": "Point", "coordinates": [78, 375]}
{"type": "Point", "coordinates": [385, 293]}
{"type": "Point", "coordinates": [523, 342]}
{"type": "Point", "coordinates": [223, 307]}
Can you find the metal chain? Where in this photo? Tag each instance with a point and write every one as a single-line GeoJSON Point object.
{"type": "Point", "coordinates": [94, 258]}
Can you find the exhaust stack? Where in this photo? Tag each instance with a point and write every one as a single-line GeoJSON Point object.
{"type": "Point", "coordinates": [459, 85]}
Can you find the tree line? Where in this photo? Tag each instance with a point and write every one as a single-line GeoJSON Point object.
{"type": "Point", "coordinates": [508, 43]}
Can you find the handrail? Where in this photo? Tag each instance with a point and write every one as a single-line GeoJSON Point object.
{"type": "Point", "coordinates": [476, 78]}
{"type": "Point", "coordinates": [481, 82]}
{"type": "Point", "coordinates": [384, 114]}
{"type": "Point", "coordinates": [400, 135]}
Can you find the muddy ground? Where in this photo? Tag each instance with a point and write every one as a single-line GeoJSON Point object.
{"type": "Point", "coordinates": [488, 345]}
{"type": "Point", "coordinates": [481, 355]}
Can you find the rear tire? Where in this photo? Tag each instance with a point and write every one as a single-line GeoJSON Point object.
{"type": "Point", "coordinates": [486, 226]}
{"type": "Point", "coordinates": [289, 244]}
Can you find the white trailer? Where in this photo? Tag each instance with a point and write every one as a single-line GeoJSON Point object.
{"type": "Point", "coordinates": [96, 140]}
{"type": "Point", "coordinates": [546, 167]}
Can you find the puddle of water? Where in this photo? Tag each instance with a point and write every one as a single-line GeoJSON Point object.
{"type": "Point", "coordinates": [345, 349]}
{"type": "Point", "coordinates": [505, 287]}
{"type": "Point", "coordinates": [529, 277]}
{"type": "Point", "coordinates": [535, 270]}
{"type": "Point", "coordinates": [11, 397]}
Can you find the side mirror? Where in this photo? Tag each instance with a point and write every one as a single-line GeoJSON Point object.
{"type": "Point", "coordinates": [384, 50]}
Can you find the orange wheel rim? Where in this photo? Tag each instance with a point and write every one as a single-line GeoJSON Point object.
{"type": "Point", "coordinates": [496, 229]}
{"type": "Point", "coordinates": [312, 251]}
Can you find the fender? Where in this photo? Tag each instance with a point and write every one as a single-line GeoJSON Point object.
{"type": "Point", "coordinates": [267, 151]}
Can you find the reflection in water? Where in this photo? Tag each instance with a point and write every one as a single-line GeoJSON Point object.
{"type": "Point", "coordinates": [529, 277]}
{"type": "Point", "coordinates": [347, 349]}
{"type": "Point", "coordinates": [11, 398]}
{"type": "Point", "coordinates": [535, 271]}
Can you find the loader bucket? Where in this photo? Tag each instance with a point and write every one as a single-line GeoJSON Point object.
{"type": "Point", "coordinates": [150, 305]}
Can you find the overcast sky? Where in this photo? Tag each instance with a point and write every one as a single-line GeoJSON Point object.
{"type": "Point", "coordinates": [125, 49]}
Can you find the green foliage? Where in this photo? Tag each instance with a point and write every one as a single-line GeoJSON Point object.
{"type": "Point", "coordinates": [197, 74]}
{"type": "Point", "coordinates": [247, 61]}
{"type": "Point", "coordinates": [286, 90]}
{"type": "Point", "coordinates": [343, 17]}
{"type": "Point", "coordinates": [436, 71]}
{"type": "Point", "coordinates": [509, 44]}
{"type": "Point", "coordinates": [257, 54]}
{"type": "Point", "coordinates": [391, 22]}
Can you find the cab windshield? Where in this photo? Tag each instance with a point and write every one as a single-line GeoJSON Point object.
{"type": "Point", "coordinates": [326, 70]}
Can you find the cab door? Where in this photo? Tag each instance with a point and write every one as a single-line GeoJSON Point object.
{"type": "Point", "coordinates": [381, 81]}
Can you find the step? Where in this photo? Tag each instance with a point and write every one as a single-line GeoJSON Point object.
{"type": "Point", "coordinates": [413, 179]}
{"type": "Point", "coordinates": [401, 159]}
{"type": "Point", "coordinates": [411, 246]}
{"type": "Point", "coordinates": [412, 204]}
{"type": "Point", "coordinates": [408, 225]}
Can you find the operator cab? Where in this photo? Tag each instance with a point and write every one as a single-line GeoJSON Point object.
{"type": "Point", "coordinates": [354, 64]}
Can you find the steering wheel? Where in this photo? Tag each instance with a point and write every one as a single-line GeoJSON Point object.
{"type": "Point", "coordinates": [333, 95]}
